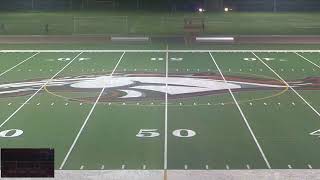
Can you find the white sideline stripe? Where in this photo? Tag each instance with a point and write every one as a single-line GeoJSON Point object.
{"type": "Point", "coordinates": [307, 59]}
{"type": "Point", "coordinates": [157, 50]}
{"type": "Point", "coordinates": [287, 84]}
{"type": "Point", "coordinates": [89, 115]}
{"type": "Point", "coordinates": [18, 64]}
{"type": "Point", "coordinates": [215, 39]}
{"type": "Point", "coordinates": [166, 118]}
{"type": "Point", "coordinates": [17, 110]}
{"type": "Point", "coordinates": [243, 116]}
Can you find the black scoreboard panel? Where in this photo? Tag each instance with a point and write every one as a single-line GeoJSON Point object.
{"type": "Point", "coordinates": [27, 162]}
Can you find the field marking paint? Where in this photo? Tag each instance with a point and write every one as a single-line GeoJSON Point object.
{"type": "Point", "coordinates": [314, 110]}
{"type": "Point", "coordinates": [307, 59]}
{"type": "Point", "coordinates": [89, 115]}
{"type": "Point", "coordinates": [45, 84]}
{"type": "Point", "coordinates": [165, 152]}
{"type": "Point", "coordinates": [157, 50]}
{"type": "Point", "coordinates": [242, 114]}
{"type": "Point", "coordinates": [19, 64]}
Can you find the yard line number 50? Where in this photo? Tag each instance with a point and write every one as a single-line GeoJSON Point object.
{"type": "Point", "coordinates": [151, 133]}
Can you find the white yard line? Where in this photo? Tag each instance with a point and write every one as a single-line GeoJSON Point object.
{"type": "Point", "coordinates": [243, 116]}
{"type": "Point", "coordinates": [307, 60]}
{"type": "Point", "coordinates": [1, 74]}
{"type": "Point", "coordinates": [88, 116]}
{"type": "Point", "coordinates": [26, 102]}
{"type": "Point", "coordinates": [165, 164]}
{"type": "Point", "coordinates": [287, 84]}
{"type": "Point", "coordinates": [157, 50]}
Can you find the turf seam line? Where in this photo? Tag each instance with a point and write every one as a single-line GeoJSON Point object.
{"type": "Point", "coordinates": [242, 114]}
{"type": "Point", "coordinates": [48, 81]}
{"type": "Point", "coordinates": [88, 116]}
{"type": "Point", "coordinates": [19, 64]}
{"type": "Point", "coordinates": [307, 59]}
{"type": "Point", "coordinates": [314, 110]}
{"type": "Point", "coordinates": [157, 50]}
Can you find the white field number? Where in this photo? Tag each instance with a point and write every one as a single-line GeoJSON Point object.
{"type": "Point", "coordinates": [184, 133]}
{"type": "Point", "coordinates": [69, 59]}
{"type": "Point", "coordinates": [255, 59]}
{"type": "Point", "coordinates": [150, 133]}
{"type": "Point", "coordinates": [171, 59]}
{"type": "Point", "coordinates": [10, 133]}
{"type": "Point", "coordinates": [315, 133]}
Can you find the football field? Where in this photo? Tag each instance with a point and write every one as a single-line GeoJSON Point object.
{"type": "Point", "coordinates": [164, 109]}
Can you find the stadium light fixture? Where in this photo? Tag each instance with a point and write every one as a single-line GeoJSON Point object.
{"type": "Point", "coordinates": [201, 10]}
{"type": "Point", "coordinates": [226, 9]}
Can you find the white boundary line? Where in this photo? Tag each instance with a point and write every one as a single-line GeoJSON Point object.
{"type": "Point", "coordinates": [17, 110]}
{"type": "Point", "coordinates": [307, 59]}
{"type": "Point", "coordinates": [165, 161]}
{"type": "Point", "coordinates": [1, 74]}
{"type": "Point", "coordinates": [243, 116]}
{"type": "Point", "coordinates": [88, 116]}
{"type": "Point", "coordinates": [287, 84]}
{"type": "Point", "coordinates": [157, 50]}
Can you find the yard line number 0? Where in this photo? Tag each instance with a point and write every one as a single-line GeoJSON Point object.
{"type": "Point", "coordinates": [10, 133]}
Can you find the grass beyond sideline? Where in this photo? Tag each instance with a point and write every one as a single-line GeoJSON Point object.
{"type": "Point", "coordinates": [157, 23]}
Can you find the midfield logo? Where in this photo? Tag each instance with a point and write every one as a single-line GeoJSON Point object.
{"type": "Point", "coordinates": [149, 86]}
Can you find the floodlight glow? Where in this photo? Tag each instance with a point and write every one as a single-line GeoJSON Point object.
{"type": "Point", "coordinates": [200, 10]}
{"type": "Point", "coordinates": [226, 9]}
